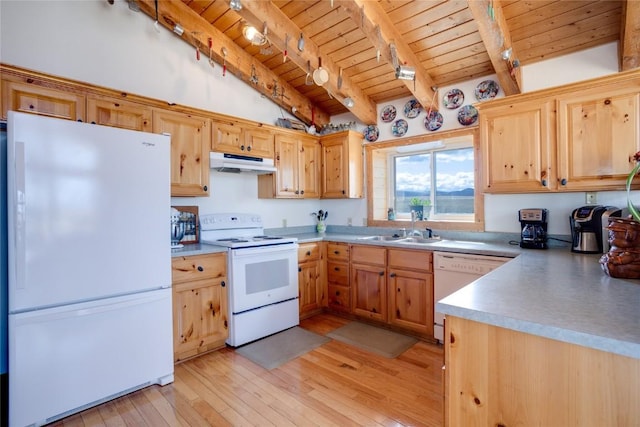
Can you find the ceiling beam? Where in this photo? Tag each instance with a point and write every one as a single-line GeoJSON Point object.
{"type": "Point", "coordinates": [630, 36]}
{"type": "Point", "coordinates": [496, 37]}
{"type": "Point", "coordinates": [380, 31]}
{"type": "Point", "coordinates": [279, 28]}
{"type": "Point", "coordinates": [197, 32]}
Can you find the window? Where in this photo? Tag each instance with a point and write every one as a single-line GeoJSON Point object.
{"type": "Point", "coordinates": [437, 172]}
{"type": "Point", "coordinates": [441, 180]}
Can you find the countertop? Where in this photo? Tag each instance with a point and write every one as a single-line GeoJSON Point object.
{"type": "Point", "coordinates": [552, 293]}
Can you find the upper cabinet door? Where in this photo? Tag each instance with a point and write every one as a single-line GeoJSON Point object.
{"type": "Point", "coordinates": [227, 138]}
{"type": "Point", "coordinates": [190, 143]}
{"type": "Point", "coordinates": [119, 113]}
{"type": "Point", "coordinates": [286, 161]}
{"type": "Point", "coordinates": [309, 165]}
{"type": "Point", "coordinates": [518, 147]}
{"type": "Point", "coordinates": [30, 98]}
{"type": "Point", "coordinates": [599, 132]}
{"type": "Point", "coordinates": [342, 166]}
{"type": "Point", "coordinates": [259, 142]}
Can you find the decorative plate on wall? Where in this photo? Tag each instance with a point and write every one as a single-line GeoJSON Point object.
{"type": "Point", "coordinates": [433, 121]}
{"type": "Point", "coordinates": [388, 113]}
{"type": "Point", "coordinates": [371, 133]}
{"type": "Point", "coordinates": [467, 115]}
{"type": "Point", "coordinates": [400, 127]}
{"type": "Point", "coordinates": [453, 99]}
{"type": "Point", "coordinates": [412, 108]}
{"type": "Point", "coordinates": [487, 89]}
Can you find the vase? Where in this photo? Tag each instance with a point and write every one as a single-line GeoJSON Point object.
{"type": "Point", "coordinates": [623, 259]}
{"type": "Point", "coordinates": [321, 227]}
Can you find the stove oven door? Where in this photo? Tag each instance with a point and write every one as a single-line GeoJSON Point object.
{"type": "Point", "coordinates": [262, 275]}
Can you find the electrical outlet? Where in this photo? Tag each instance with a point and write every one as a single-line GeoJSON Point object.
{"type": "Point", "coordinates": [591, 198]}
{"type": "Point", "coordinates": [349, 222]}
{"type": "Point", "coordinates": [284, 223]}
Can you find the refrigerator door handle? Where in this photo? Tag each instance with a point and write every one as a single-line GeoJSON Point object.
{"type": "Point", "coordinates": [17, 199]}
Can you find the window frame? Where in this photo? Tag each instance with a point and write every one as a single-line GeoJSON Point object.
{"type": "Point", "coordinates": [379, 149]}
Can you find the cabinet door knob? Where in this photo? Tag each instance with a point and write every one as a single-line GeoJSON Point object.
{"type": "Point", "coordinates": [200, 268]}
{"type": "Point", "coordinates": [337, 293]}
{"type": "Point", "coordinates": [336, 252]}
{"type": "Point", "coordinates": [242, 147]}
{"type": "Point", "coordinates": [563, 181]}
{"type": "Point", "coordinates": [308, 253]}
{"type": "Point", "coordinates": [336, 268]}
{"type": "Point", "coordinates": [544, 182]}
{"type": "Point", "coordinates": [381, 273]}
{"type": "Point", "coordinates": [205, 188]}
{"type": "Point", "coordinates": [392, 275]}
{"type": "Point", "coordinates": [249, 148]}
{"type": "Point", "coordinates": [223, 284]}
{"type": "Point", "coordinates": [299, 269]}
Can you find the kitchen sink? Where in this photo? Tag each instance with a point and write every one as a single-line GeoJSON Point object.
{"type": "Point", "coordinates": [422, 240]}
{"type": "Point", "coordinates": [381, 238]}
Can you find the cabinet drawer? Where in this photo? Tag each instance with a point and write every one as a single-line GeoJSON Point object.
{"type": "Point", "coordinates": [415, 260]}
{"type": "Point", "coordinates": [338, 273]}
{"type": "Point", "coordinates": [308, 252]}
{"type": "Point", "coordinates": [338, 298]}
{"type": "Point", "coordinates": [338, 251]}
{"type": "Point", "coordinates": [198, 267]}
{"type": "Point", "coordinates": [368, 255]}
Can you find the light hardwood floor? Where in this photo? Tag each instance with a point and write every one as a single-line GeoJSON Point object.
{"type": "Point", "coordinates": [333, 385]}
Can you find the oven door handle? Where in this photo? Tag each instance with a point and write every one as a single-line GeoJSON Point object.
{"type": "Point", "coordinates": [263, 250]}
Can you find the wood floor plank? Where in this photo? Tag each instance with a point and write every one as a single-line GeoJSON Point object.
{"type": "Point", "coordinates": [335, 384]}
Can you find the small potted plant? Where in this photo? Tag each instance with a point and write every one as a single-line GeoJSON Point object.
{"type": "Point", "coordinates": [417, 205]}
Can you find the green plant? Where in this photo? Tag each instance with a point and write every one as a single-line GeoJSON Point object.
{"type": "Point", "coordinates": [632, 209]}
{"type": "Point", "coordinates": [416, 201]}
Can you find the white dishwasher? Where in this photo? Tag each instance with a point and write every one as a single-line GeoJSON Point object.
{"type": "Point", "coordinates": [453, 271]}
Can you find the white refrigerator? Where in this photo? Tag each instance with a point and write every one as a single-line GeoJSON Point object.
{"type": "Point", "coordinates": [89, 265]}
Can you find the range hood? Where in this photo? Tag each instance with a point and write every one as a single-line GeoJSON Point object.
{"type": "Point", "coordinates": [235, 163]}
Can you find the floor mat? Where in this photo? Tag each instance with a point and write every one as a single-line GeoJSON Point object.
{"type": "Point", "coordinates": [376, 340]}
{"type": "Point", "coordinates": [278, 349]}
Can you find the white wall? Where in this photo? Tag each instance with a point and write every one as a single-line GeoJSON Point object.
{"type": "Point", "coordinates": [110, 45]}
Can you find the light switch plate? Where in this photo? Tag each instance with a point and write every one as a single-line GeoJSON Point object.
{"type": "Point", "coordinates": [591, 198]}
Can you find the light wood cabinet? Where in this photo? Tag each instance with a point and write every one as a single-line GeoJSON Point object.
{"type": "Point", "coordinates": [410, 284]}
{"type": "Point", "coordinates": [119, 113]}
{"type": "Point", "coordinates": [310, 279]}
{"type": "Point", "coordinates": [598, 135]}
{"type": "Point", "coordinates": [190, 142]}
{"type": "Point", "coordinates": [496, 376]}
{"type": "Point", "coordinates": [342, 166]}
{"type": "Point", "coordinates": [297, 160]}
{"type": "Point", "coordinates": [368, 282]}
{"type": "Point", "coordinates": [31, 98]}
{"type": "Point", "coordinates": [259, 142]}
{"type": "Point", "coordinates": [237, 138]}
{"type": "Point", "coordinates": [338, 286]}
{"type": "Point", "coordinates": [578, 137]}
{"type": "Point", "coordinates": [518, 147]}
{"type": "Point", "coordinates": [199, 304]}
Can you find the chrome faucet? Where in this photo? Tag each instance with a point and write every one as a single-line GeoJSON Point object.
{"type": "Point", "coordinates": [414, 232]}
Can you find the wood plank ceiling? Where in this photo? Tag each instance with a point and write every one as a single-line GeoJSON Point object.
{"type": "Point", "coordinates": [445, 41]}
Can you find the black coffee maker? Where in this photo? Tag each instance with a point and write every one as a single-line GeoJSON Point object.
{"type": "Point", "coordinates": [533, 224]}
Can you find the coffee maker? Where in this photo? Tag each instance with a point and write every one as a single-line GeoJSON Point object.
{"type": "Point", "coordinates": [533, 233]}
{"type": "Point", "coordinates": [588, 228]}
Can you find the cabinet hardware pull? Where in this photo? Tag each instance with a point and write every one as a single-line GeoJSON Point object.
{"type": "Point", "coordinates": [308, 253]}
{"type": "Point", "coordinates": [200, 268]}
{"type": "Point", "coordinates": [299, 269]}
{"type": "Point", "coordinates": [223, 284]}
{"type": "Point", "coordinates": [337, 293]}
{"type": "Point", "coordinates": [205, 188]}
{"type": "Point", "coordinates": [392, 275]}
{"type": "Point", "coordinates": [381, 273]}
{"type": "Point", "coordinates": [563, 181]}
{"type": "Point", "coordinates": [336, 252]}
{"type": "Point", "coordinates": [336, 268]}
{"type": "Point", "coordinates": [544, 182]}
{"type": "Point", "coordinates": [242, 147]}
